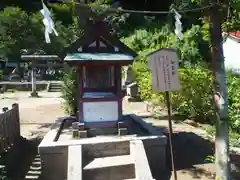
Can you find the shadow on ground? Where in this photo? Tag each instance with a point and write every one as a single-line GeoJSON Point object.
{"type": "Point", "coordinates": [22, 162]}
{"type": "Point", "coordinates": [175, 117]}
{"type": "Point", "coordinates": [190, 156]}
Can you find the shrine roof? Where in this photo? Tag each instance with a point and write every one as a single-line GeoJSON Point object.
{"type": "Point", "coordinates": [99, 57]}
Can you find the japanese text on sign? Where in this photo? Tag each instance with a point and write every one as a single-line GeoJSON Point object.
{"type": "Point", "coordinates": [164, 67]}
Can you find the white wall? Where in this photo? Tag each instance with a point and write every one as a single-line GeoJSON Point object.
{"type": "Point", "coordinates": [231, 50]}
{"type": "Point", "coordinates": [100, 111]}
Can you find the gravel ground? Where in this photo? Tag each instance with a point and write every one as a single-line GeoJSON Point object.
{"type": "Point", "coordinates": [36, 114]}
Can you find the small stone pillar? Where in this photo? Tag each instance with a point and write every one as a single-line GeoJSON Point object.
{"type": "Point", "coordinates": [129, 76]}
{"type": "Point", "coordinates": [33, 77]}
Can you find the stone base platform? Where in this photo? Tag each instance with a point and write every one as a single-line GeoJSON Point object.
{"type": "Point", "coordinates": [103, 157]}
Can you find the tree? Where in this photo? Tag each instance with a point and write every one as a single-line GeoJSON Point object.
{"type": "Point", "coordinates": [19, 30]}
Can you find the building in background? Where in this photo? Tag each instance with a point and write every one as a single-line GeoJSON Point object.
{"type": "Point", "coordinates": [231, 51]}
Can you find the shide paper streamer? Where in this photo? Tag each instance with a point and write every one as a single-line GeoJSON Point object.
{"type": "Point", "coordinates": [178, 24]}
{"type": "Point", "coordinates": [48, 23]}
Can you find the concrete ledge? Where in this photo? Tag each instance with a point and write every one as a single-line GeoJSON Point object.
{"type": "Point", "coordinates": [148, 127]}
{"type": "Point", "coordinates": [48, 142]}
{"type": "Point", "coordinates": [107, 124]}
{"type": "Point", "coordinates": [74, 163]}
{"type": "Point", "coordinates": [152, 130]}
{"type": "Point", "coordinates": [49, 138]}
{"type": "Point", "coordinates": [142, 169]}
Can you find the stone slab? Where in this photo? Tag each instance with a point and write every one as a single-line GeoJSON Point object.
{"type": "Point", "coordinates": [74, 163]}
{"type": "Point", "coordinates": [142, 169]}
{"type": "Point", "coordinates": [110, 173]}
{"type": "Point", "coordinates": [109, 162]}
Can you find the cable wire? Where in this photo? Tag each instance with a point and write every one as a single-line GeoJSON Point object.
{"type": "Point", "coordinates": [119, 10]}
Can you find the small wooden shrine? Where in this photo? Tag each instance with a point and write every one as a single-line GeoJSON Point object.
{"type": "Point", "coordinates": [99, 57]}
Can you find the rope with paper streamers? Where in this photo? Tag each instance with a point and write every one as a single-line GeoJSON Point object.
{"type": "Point", "coordinates": [49, 25]}
{"type": "Point", "coordinates": [120, 10]}
{"type": "Point", "coordinates": [178, 23]}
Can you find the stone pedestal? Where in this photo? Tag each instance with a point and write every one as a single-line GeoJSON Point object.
{"type": "Point", "coordinates": [129, 76]}
{"type": "Point", "coordinates": [34, 94]}
{"type": "Point", "coordinates": [82, 134]}
{"type": "Point", "coordinates": [122, 131]}
{"type": "Point", "coordinates": [75, 134]}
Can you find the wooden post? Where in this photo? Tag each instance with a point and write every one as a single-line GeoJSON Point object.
{"type": "Point", "coordinates": [17, 133]}
{"type": "Point", "coordinates": [1, 134]}
{"type": "Point", "coordinates": [168, 103]}
{"type": "Point", "coordinates": [4, 122]}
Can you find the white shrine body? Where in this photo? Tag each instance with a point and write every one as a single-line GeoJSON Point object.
{"type": "Point", "coordinates": [99, 57]}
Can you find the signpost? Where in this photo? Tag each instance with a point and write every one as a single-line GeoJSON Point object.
{"type": "Point", "coordinates": [165, 78]}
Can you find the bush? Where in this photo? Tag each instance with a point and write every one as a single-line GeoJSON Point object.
{"type": "Point", "coordinates": [195, 97]}
{"type": "Point", "coordinates": [70, 91]}
{"type": "Point", "coordinates": [1, 75]}
{"type": "Point", "coordinates": [194, 50]}
{"type": "Point", "coordinates": [233, 84]}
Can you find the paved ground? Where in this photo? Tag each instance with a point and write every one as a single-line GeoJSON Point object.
{"type": "Point", "coordinates": [190, 148]}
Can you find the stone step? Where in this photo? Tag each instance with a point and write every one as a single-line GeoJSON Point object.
{"type": "Point", "coordinates": [56, 84]}
{"type": "Point", "coordinates": [54, 90]}
{"type": "Point", "coordinates": [55, 87]}
{"type": "Point", "coordinates": [114, 167]}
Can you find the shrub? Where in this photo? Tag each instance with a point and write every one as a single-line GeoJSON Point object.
{"type": "Point", "coordinates": [1, 75]}
{"type": "Point", "coordinates": [195, 97]}
{"type": "Point", "coordinates": [233, 84]}
{"type": "Point", "coordinates": [194, 50]}
{"type": "Point", "coordinates": [70, 91]}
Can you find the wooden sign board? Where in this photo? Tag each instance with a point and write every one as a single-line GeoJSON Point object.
{"type": "Point", "coordinates": [164, 67]}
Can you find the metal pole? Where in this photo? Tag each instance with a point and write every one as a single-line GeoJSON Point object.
{"type": "Point", "coordinates": [221, 99]}
{"type": "Point", "coordinates": [170, 132]}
